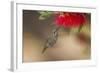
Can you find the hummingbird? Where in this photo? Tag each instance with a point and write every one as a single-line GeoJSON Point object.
{"type": "Point", "coordinates": [50, 41]}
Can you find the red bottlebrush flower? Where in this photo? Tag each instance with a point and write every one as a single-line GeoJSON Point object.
{"type": "Point", "coordinates": [68, 19]}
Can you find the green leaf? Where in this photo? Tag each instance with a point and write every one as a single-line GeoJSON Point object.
{"type": "Point", "coordinates": [79, 29]}
{"type": "Point", "coordinates": [44, 15]}
{"type": "Point", "coordinates": [41, 17]}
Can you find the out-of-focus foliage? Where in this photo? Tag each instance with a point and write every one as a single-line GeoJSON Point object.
{"type": "Point", "coordinates": [44, 14]}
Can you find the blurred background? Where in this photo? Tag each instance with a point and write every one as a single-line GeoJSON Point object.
{"type": "Point", "coordinates": [71, 46]}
